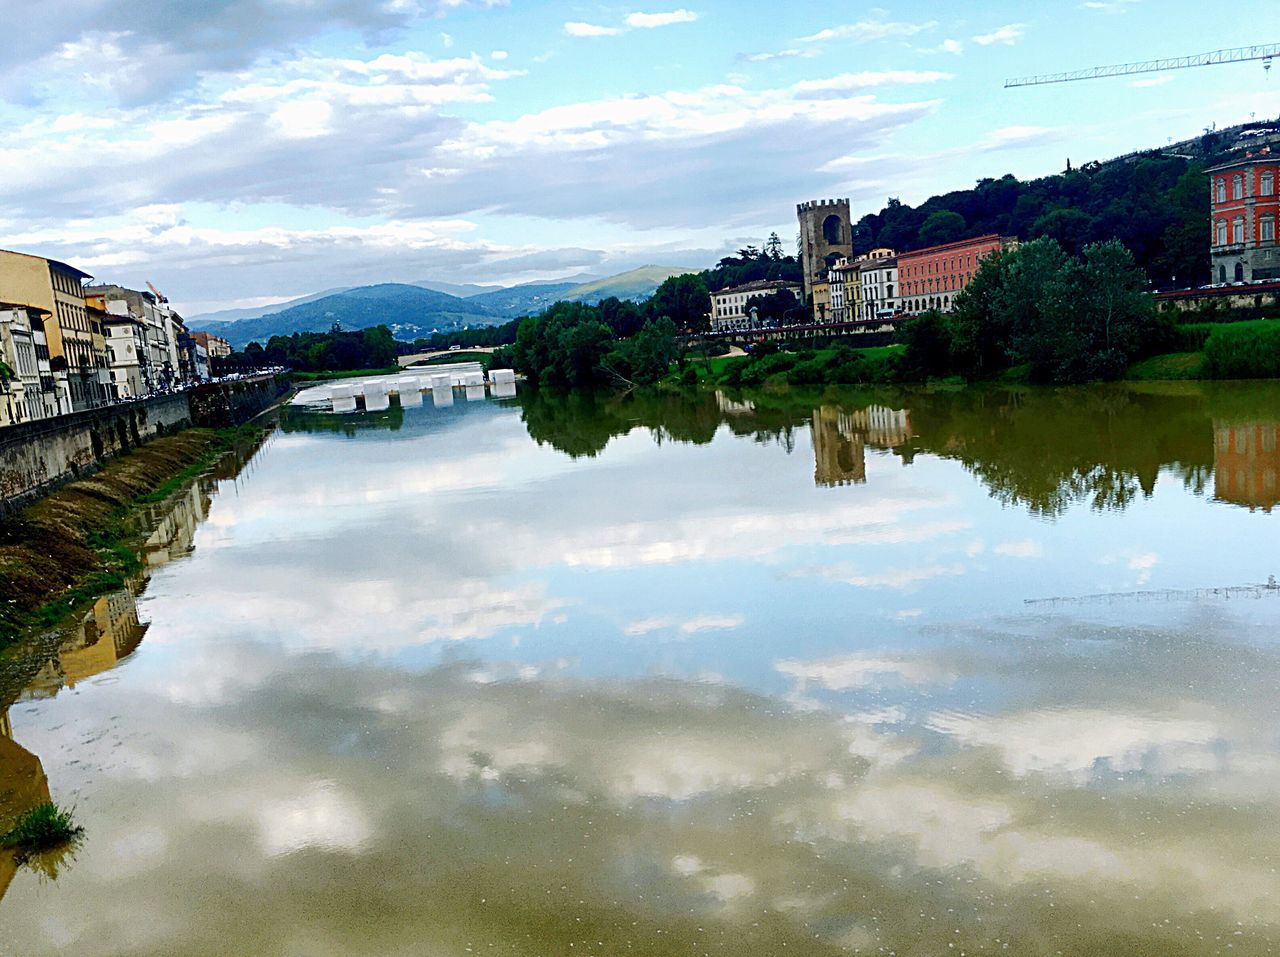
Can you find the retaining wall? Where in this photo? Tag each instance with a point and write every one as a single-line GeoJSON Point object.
{"type": "Point", "coordinates": [36, 457]}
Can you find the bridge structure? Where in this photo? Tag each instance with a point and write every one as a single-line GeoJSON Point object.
{"type": "Point", "coordinates": [420, 357]}
{"type": "Point", "coordinates": [439, 381]}
{"type": "Point", "coordinates": [805, 330]}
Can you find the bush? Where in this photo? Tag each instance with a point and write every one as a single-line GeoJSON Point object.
{"type": "Point", "coordinates": [42, 828]}
{"type": "Point", "coordinates": [1247, 350]}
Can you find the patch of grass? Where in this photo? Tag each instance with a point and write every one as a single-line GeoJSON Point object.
{"type": "Point", "coordinates": [1170, 365]}
{"type": "Point", "coordinates": [45, 827]}
{"type": "Point", "coordinates": [344, 374]}
{"type": "Point", "coordinates": [1244, 350]}
{"type": "Point", "coordinates": [484, 358]}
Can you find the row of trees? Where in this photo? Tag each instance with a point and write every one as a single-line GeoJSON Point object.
{"type": "Point", "coordinates": [1067, 318]}
{"type": "Point", "coordinates": [332, 351]}
{"type": "Point", "coordinates": [1155, 205]}
{"type": "Point", "coordinates": [577, 346]}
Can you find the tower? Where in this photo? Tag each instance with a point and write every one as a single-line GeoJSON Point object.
{"type": "Point", "coordinates": [826, 234]}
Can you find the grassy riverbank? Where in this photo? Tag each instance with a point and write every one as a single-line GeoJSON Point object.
{"type": "Point", "coordinates": [74, 544]}
{"type": "Point", "coordinates": [344, 374]}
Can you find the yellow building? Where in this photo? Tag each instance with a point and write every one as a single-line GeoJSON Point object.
{"type": "Point", "coordinates": [56, 288]}
{"type": "Point", "coordinates": [821, 300]}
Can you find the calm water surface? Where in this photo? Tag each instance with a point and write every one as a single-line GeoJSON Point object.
{"type": "Point", "coordinates": [903, 673]}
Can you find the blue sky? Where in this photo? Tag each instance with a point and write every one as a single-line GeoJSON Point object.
{"type": "Point", "coordinates": [244, 151]}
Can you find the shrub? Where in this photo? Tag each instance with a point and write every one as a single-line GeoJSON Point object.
{"type": "Point", "coordinates": [42, 828]}
{"type": "Point", "coordinates": [1243, 351]}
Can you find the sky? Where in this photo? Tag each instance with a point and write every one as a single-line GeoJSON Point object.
{"type": "Point", "coordinates": [242, 152]}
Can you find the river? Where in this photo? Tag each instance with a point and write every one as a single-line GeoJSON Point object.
{"type": "Point", "coordinates": [900, 672]}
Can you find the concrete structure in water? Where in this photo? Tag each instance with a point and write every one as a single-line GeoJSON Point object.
{"type": "Point", "coordinates": [826, 236]}
{"type": "Point", "coordinates": [1244, 197]}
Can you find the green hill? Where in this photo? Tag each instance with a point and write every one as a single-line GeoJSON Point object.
{"type": "Point", "coordinates": [409, 311]}
{"type": "Point", "coordinates": [635, 285]}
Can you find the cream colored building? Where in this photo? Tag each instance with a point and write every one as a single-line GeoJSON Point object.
{"type": "Point", "coordinates": [730, 308]}
{"type": "Point", "coordinates": [55, 288]}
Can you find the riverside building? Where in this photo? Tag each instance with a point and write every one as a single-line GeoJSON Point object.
{"type": "Point", "coordinates": [878, 278]}
{"type": "Point", "coordinates": [730, 307]}
{"type": "Point", "coordinates": [931, 278]}
{"type": "Point", "coordinates": [1245, 199]}
{"type": "Point", "coordinates": [55, 288]}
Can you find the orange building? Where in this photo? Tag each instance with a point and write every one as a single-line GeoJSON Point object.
{"type": "Point", "coordinates": [1246, 464]}
{"type": "Point", "coordinates": [931, 278]}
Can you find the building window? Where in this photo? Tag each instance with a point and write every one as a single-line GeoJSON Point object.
{"type": "Point", "coordinates": [1222, 232]}
{"type": "Point", "coordinates": [1268, 184]}
{"type": "Point", "coordinates": [1267, 229]}
{"type": "Point", "coordinates": [1237, 230]}
{"type": "Point", "coordinates": [1237, 187]}
{"type": "Point", "coordinates": [1222, 190]}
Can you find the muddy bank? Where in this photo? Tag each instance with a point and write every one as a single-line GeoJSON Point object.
{"type": "Point", "coordinates": [76, 543]}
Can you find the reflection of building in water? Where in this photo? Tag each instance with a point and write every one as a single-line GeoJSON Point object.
{"type": "Point", "coordinates": [1246, 464]}
{"type": "Point", "coordinates": [730, 406]}
{"type": "Point", "coordinates": [108, 633]}
{"type": "Point", "coordinates": [175, 533]}
{"type": "Point", "coordinates": [840, 439]}
{"type": "Point", "coordinates": [23, 785]}
{"type": "Point", "coordinates": [838, 448]}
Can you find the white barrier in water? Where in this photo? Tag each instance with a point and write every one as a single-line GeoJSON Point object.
{"type": "Point", "coordinates": [474, 392]}
{"type": "Point", "coordinates": [501, 375]}
{"type": "Point", "coordinates": [376, 398]}
{"type": "Point", "coordinates": [502, 390]}
{"type": "Point", "coordinates": [410, 390]}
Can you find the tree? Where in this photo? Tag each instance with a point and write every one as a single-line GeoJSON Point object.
{"type": "Point", "coordinates": [682, 299]}
{"type": "Point", "coordinates": [1114, 318]}
{"type": "Point", "coordinates": [773, 248]}
{"type": "Point", "coordinates": [942, 227]}
{"type": "Point", "coordinates": [927, 341]}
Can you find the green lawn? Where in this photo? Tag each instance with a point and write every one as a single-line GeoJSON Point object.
{"type": "Point", "coordinates": [343, 374]}
{"type": "Point", "coordinates": [1171, 365]}
{"type": "Point", "coordinates": [484, 358]}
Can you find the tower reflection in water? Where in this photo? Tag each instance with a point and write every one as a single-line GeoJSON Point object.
{"type": "Point", "coordinates": [840, 439]}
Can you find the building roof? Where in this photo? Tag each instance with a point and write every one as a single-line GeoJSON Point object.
{"type": "Point", "coordinates": [52, 262]}
{"type": "Point", "coordinates": [758, 285]}
{"type": "Point", "coordinates": [1249, 159]}
{"type": "Point", "coordinates": [959, 244]}
{"type": "Point", "coordinates": [23, 305]}
{"type": "Point", "coordinates": [880, 263]}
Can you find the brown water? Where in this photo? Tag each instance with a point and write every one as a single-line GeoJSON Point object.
{"type": "Point", "coordinates": [894, 672]}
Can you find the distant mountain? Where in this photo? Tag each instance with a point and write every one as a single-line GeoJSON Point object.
{"type": "Point", "coordinates": [412, 310]}
{"type": "Point", "coordinates": [522, 300]}
{"type": "Point", "coordinates": [409, 311]}
{"type": "Point", "coordinates": [461, 290]}
{"type": "Point", "coordinates": [636, 285]}
{"type": "Point", "coordinates": [232, 315]}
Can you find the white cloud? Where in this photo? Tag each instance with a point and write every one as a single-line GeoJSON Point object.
{"type": "Point", "coordinates": [1009, 34]}
{"type": "Point", "coordinates": [649, 21]}
{"type": "Point", "coordinates": [576, 28]}
{"type": "Point", "coordinates": [633, 21]}
{"type": "Point", "coordinates": [864, 669]}
{"type": "Point", "coordinates": [1152, 81]}
{"type": "Point", "coordinates": [1108, 6]}
{"type": "Point", "coordinates": [865, 31]}
{"type": "Point", "coordinates": [687, 626]}
{"type": "Point", "coordinates": [1027, 548]}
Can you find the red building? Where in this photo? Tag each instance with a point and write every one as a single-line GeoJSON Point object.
{"type": "Point", "coordinates": [931, 278]}
{"type": "Point", "coordinates": [1243, 196]}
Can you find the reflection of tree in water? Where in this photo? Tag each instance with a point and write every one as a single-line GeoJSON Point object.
{"type": "Point", "coordinates": [1043, 449]}
{"type": "Point", "coordinates": [350, 424]}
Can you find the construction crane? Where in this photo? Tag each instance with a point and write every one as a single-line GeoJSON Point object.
{"type": "Point", "coordinates": [160, 297]}
{"type": "Point", "coordinates": [1265, 53]}
{"type": "Point", "coordinates": [1269, 590]}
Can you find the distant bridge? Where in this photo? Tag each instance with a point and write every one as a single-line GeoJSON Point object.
{"type": "Point", "coordinates": [406, 361]}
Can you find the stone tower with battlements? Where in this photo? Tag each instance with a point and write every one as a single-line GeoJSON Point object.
{"type": "Point", "coordinates": [826, 234]}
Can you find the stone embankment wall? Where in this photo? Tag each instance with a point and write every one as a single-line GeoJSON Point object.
{"type": "Point", "coordinates": [36, 457]}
